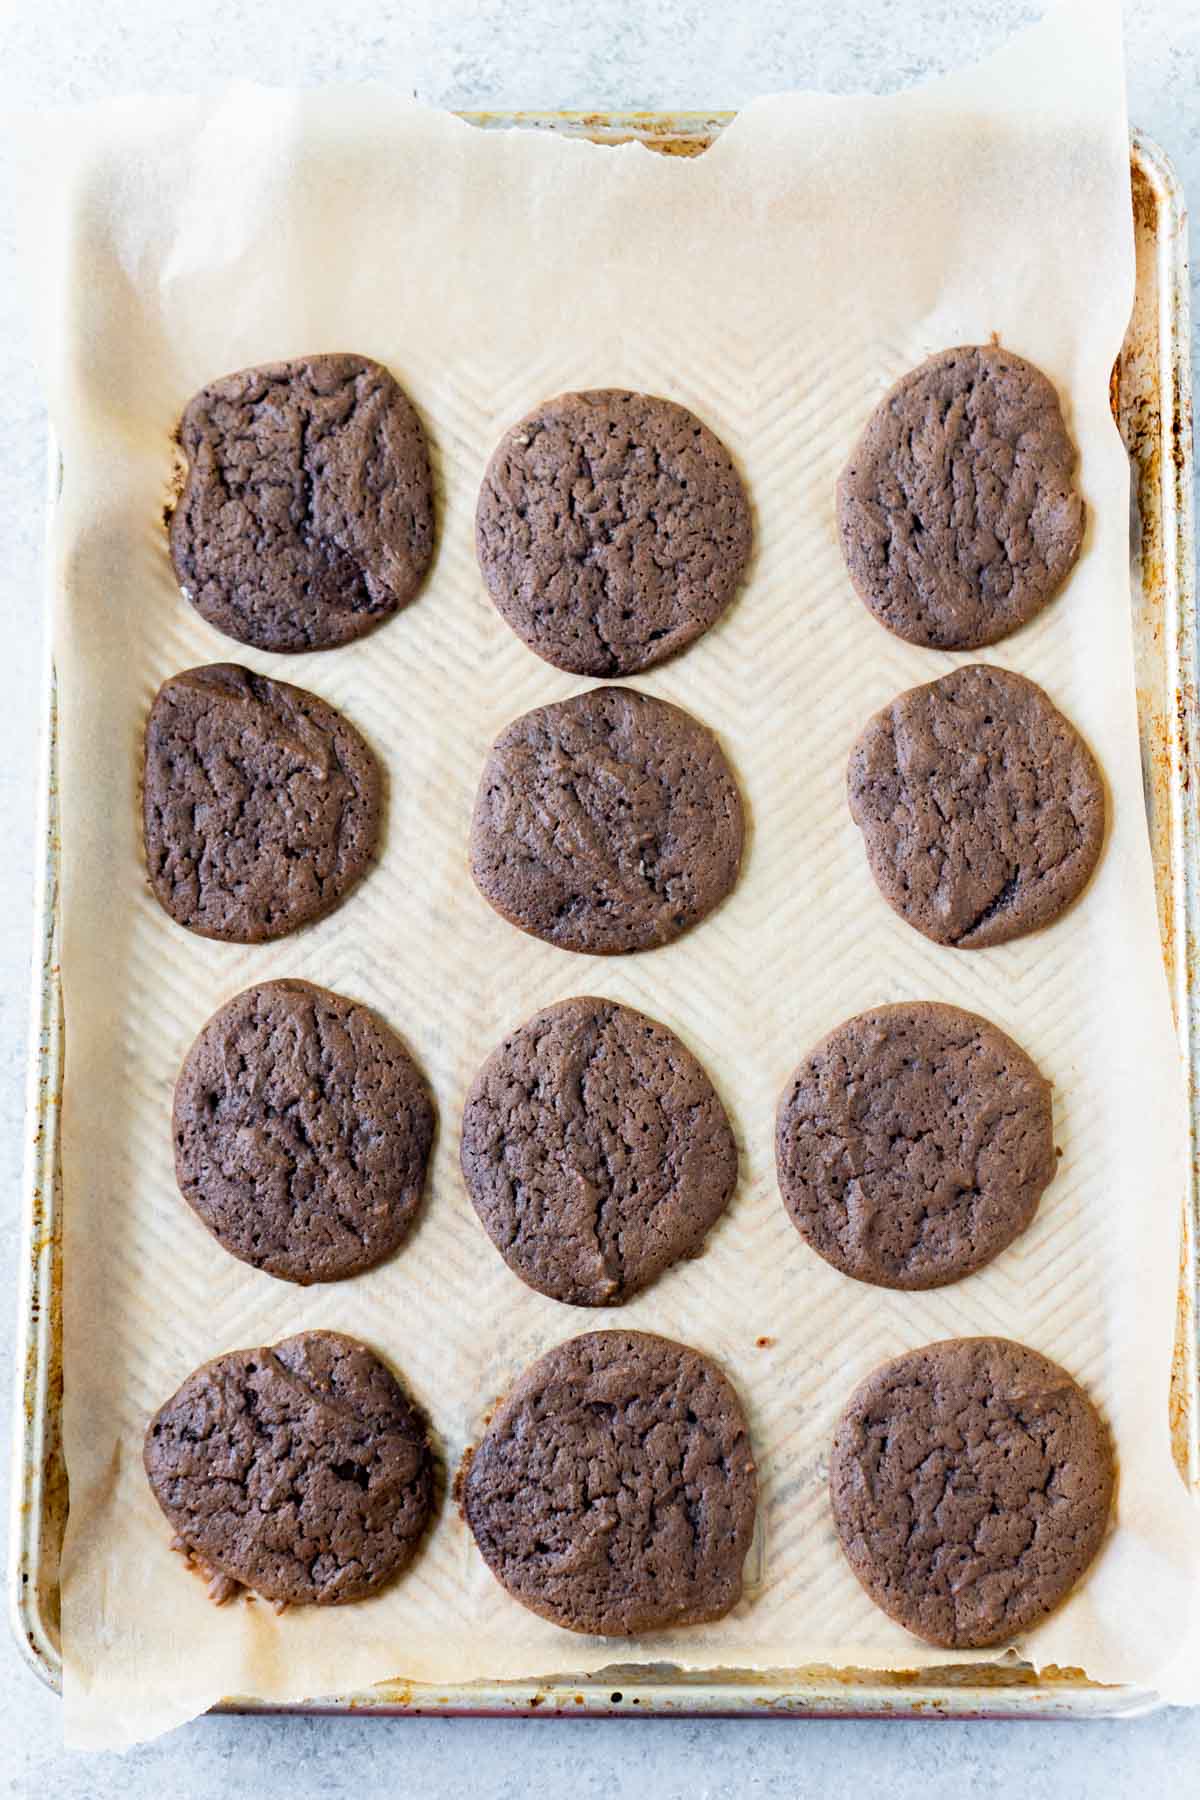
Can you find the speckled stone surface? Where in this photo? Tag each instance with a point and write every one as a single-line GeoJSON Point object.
{"type": "Point", "coordinates": [547, 53]}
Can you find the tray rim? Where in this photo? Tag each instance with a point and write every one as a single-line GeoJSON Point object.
{"type": "Point", "coordinates": [616, 1689]}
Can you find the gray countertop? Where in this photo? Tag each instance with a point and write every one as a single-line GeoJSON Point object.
{"type": "Point", "coordinates": [464, 53]}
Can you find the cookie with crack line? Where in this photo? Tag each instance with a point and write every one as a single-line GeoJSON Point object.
{"type": "Point", "coordinates": [606, 823]}
{"type": "Point", "coordinates": [913, 1144]}
{"type": "Point", "coordinates": [301, 1470]}
{"type": "Point", "coordinates": [302, 1132]}
{"type": "Point", "coordinates": [306, 517]}
{"type": "Point", "coordinates": [595, 1151]}
{"type": "Point", "coordinates": [260, 804]}
{"type": "Point", "coordinates": [957, 510]}
{"type": "Point", "coordinates": [981, 807]}
{"type": "Point", "coordinates": [614, 1491]}
{"type": "Point", "coordinates": [612, 530]}
{"type": "Point", "coordinates": [971, 1483]}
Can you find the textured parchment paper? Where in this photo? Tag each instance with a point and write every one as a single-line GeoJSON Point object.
{"type": "Point", "coordinates": [777, 285]}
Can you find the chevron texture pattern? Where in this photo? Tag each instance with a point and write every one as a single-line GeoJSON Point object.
{"type": "Point", "coordinates": [786, 680]}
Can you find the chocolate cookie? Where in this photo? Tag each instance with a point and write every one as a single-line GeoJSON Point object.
{"type": "Point", "coordinates": [913, 1145]}
{"type": "Point", "coordinates": [957, 510]}
{"type": "Point", "coordinates": [260, 804]}
{"type": "Point", "coordinates": [971, 1482]}
{"type": "Point", "coordinates": [307, 518]}
{"type": "Point", "coordinates": [302, 1470]}
{"type": "Point", "coordinates": [614, 1490]}
{"type": "Point", "coordinates": [595, 1151]}
{"type": "Point", "coordinates": [302, 1132]}
{"type": "Point", "coordinates": [981, 807]}
{"type": "Point", "coordinates": [609, 822]}
{"type": "Point", "coordinates": [612, 530]}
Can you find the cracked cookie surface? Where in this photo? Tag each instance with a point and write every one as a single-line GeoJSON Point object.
{"type": "Point", "coordinates": [612, 530]}
{"type": "Point", "coordinates": [913, 1144]}
{"type": "Point", "coordinates": [614, 1491]}
{"type": "Point", "coordinates": [957, 511]}
{"type": "Point", "coordinates": [307, 514]}
{"type": "Point", "coordinates": [981, 807]}
{"type": "Point", "coordinates": [595, 1151]}
{"type": "Point", "coordinates": [301, 1470]}
{"type": "Point", "coordinates": [261, 804]}
{"type": "Point", "coordinates": [302, 1132]}
{"type": "Point", "coordinates": [609, 822]}
{"type": "Point", "coordinates": [971, 1482]}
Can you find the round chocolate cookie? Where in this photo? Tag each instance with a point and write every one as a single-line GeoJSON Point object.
{"type": "Point", "coordinates": [307, 517]}
{"type": "Point", "coordinates": [957, 511]}
{"type": "Point", "coordinates": [981, 807]}
{"type": "Point", "coordinates": [607, 823]}
{"type": "Point", "coordinates": [971, 1482]}
{"type": "Point", "coordinates": [595, 1151]}
{"type": "Point", "coordinates": [614, 1490]}
{"type": "Point", "coordinates": [260, 804]}
{"type": "Point", "coordinates": [913, 1145]}
{"type": "Point", "coordinates": [612, 530]}
{"type": "Point", "coordinates": [302, 1470]}
{"type": "Point", "coordinates": [302, 1132]}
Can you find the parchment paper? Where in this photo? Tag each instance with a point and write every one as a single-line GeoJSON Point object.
{"type": "Point", "coordinates": [777, 285]}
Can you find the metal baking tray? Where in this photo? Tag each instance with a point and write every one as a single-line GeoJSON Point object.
{"type": "Point", "coordinates": [1151, 397]}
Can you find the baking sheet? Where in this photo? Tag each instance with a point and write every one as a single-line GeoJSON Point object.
{"type": "Point", "coordinates": [1151, 397]}
{"type": "Point", "coordinates": [778, 288]}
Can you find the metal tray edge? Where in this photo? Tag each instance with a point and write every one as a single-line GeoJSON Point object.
{"type": "Point", "coordinates": [1172, 484]}
{"type": "Point", "coordinates": [37, 1360]}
